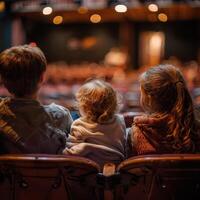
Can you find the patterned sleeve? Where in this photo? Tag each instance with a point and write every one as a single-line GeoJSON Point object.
{"type": "Point", "coordinates": [61, 116]}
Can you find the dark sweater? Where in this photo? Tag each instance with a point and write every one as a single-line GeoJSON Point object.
{"type": "Point", "coordinates": [28, 127]}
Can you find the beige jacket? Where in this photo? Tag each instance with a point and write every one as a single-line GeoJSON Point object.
{"type": "Point", "coordinates": [99, 142]}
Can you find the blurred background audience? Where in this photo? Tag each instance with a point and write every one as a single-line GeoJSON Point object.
{"type": "Point", "coordinates": [111, 39]}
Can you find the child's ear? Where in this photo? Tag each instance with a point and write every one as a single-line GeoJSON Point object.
{"type": "Point", "coordinates": [42, 78]}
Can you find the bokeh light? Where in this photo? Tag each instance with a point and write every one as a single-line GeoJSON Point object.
{"type": "Point", "coordinates": [57, 19]}
{"type": "Point", "coordinates": [95, 18]}
{"type": "Point", "coordinates": [47, 10]}
{"type": "Point", "coordinates": [82, 10]}
{"type": "Point", "coordinates": [162, 17]}
{"type": "Point", "coordinates": [153, 7]}
{"type": "Point", "coordinates": [120, 8]}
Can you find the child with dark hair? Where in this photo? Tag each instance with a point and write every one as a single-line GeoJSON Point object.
{"type": "Point", "coordinates": [99, 134]}
{"type": "Point", "coordinates": [26, 126]}
{"type": "Point", "coordinates": [169, 125]}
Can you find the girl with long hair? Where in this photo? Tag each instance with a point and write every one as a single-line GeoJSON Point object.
{"type": "Point", "coordinates": [169, 124]}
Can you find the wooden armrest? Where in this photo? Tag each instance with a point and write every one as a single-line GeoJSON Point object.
{"type": "Point", "coordinates": [109, 169]}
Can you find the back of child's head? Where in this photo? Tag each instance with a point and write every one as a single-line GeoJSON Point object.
{"type": "Point", "coordinates": [164, 90]}
{"type": "Point", "coordinates": [21, 69]}
{"type": "Point", "coordinates": [166, 97]}
{"type": "Point", "coordinates": [97, 101]}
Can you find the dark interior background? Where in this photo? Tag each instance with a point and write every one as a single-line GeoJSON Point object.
{"type": "Point", "coordinates": [55, 40]}
{"type": "Point", "coordinates": [182, 39]}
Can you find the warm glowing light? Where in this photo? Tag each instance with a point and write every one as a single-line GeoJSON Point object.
{"type": "Point", "coordinates": [153, 7]}
{"type": "Point", "coordinates": [155, 43]}
{"type": "Point", "coordinates": [120, 8]}
{"type": "Point", "coordinates": [33, 44]}
{"type": "Point", "coordinates": [57, 20]}
{"type": "Point", "coordinates": [2, 6]}
{"type": "Point", "coordinates": [47, 10]}
{"type": "Point", "coordinates": [95, 18]}
{"type": "Point", "coordinates": [82, 10]}
{"type": "Point", "coordinates": [162, 17]}
{"type": "Point", "coordinates": [89, 42]}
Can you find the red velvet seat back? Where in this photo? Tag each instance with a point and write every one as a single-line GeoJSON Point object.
{"type": "Point", "coordinates": [160, 177]}
{"type": "Point", "coordinates": [46, 177]}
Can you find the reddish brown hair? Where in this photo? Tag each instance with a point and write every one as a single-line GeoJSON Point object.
{"type": "Point", "coordinates": [166, 97]}
{"type": "Point", "coordinates": [21, 68]}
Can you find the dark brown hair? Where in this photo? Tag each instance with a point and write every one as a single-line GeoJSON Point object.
{"type": "Point", "coordinates": [166, 97]}
{"type": "Point", "coordinates": [98, 100]}
{"type": "Point", "coordinates": [21, 68]}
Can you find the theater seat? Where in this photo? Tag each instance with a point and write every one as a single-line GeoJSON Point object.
{"type": "Point", "coordinates": [47, 177]}
{"type": "Point", "coordinates": [129, 116]}
{"type": "Point", "coordinates": [159, 177]}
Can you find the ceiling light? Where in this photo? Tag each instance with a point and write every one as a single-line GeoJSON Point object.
{"type": "Point", "coordinates": [82, 10]}
{"type": "Point", "coordinates": [162, 17]}
{"type": "Point", "coordinates": [95, 18]}
{"type": "Point", "coordinates": [153, 7]}
{"type": "Point", "coordinates": [120, 8]}
{"type": "Point", "coordinates": [47, 10]}
{"type": "Point", "coordinates": [57, 20]}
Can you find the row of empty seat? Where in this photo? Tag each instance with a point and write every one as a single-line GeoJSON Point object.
{"type": "Point", "coordinates": [49, 177]}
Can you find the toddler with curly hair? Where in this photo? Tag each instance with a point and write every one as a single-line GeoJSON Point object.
{"type": "Point", "coordinates": [99, 134]}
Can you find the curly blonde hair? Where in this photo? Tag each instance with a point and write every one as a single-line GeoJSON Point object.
{"type": "Point", "coordinates": [166, 97]}
{"type": "Point", "coordinates": [97, 100]}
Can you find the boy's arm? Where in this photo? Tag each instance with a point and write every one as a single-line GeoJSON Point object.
{"type": "Point", "coordinates": [67, 121]}
{"type": "Point", "coordinates": [60, 116]}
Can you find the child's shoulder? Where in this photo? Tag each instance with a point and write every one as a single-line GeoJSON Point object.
{"type": "Point", "coordinates": [119, 118]}
{"type": "Point", "coordinates": [55, 108]}
{"type": "Point", "coordinates": [57, 112]}
{"type": "Point", "coordinates": [79, 121]}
